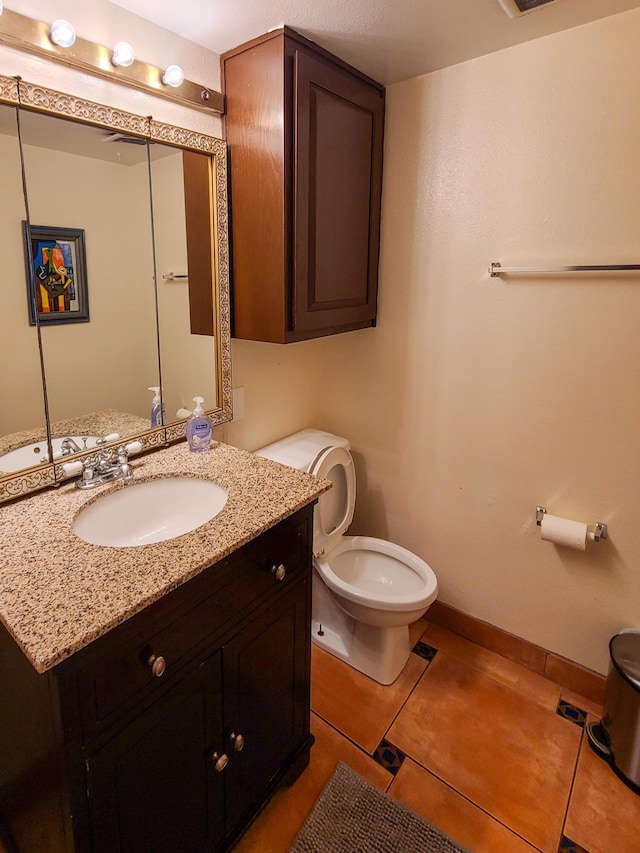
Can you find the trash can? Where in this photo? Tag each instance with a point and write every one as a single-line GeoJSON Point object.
{"type": "Point", "coordinates": [617, 738]}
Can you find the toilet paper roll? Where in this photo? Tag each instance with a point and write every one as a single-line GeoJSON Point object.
{"type": "Point", "coordinates": [563, 531]}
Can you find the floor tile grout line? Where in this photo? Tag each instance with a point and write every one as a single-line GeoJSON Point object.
{"type": "Point", "coordinates": [470, 801]}
{"type": "Point", "coordinates": [411, 692]}
{"type": "Point", "coordinates": [574, 776]}
{"type": "Point", "coordinates": [353, 743]}
{"type": "Point", "coordinates": [451, 787]}
{"type": "Point", "coordinates": [562, 688]}
{"type": "Point", "coordinates": [392, 776]}
{"type": "Point", "coordinates": [465, 662]}
{"type": "Point", "coordinates": [448, 785]}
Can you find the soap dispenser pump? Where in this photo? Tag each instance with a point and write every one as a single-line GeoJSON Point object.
{"type": "Point", "coordinates": [198, 427]}
{"type": "Point", "coordinates": [157, 409]}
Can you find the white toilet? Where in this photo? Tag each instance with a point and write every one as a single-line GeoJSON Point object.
{"type": "Point", "coordinates": [366, 592]}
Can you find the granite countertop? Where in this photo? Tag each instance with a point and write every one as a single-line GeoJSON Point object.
{"type": "Point", "coordinates": [58, 593]}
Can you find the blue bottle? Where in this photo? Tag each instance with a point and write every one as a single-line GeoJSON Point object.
{"type": "Point", "coordinates": [199, 431]}
{"type": "Point", "coordinates": [157, 409]}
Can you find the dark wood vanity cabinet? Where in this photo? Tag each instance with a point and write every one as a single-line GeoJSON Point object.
{"type": "Point", "coordinates": [125, 760]}
{"type": "Point", "coordinates": [305, 139]}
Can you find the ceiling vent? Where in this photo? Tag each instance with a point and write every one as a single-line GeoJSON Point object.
{"type": "Point", "coordinates": [122, 137]}
{"type": "Point", "coordinates": [516, 8]}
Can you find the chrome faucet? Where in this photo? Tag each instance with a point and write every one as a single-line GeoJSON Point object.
{"type": "Point", "coordinates": [70, 445]}
{"type": "Point", "coordinates": [105, 467]}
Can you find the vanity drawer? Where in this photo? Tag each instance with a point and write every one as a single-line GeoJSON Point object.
{"type": "Point", "coordinates": [133, 663]}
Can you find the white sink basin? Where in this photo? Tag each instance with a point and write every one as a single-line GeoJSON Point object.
{"type": "Point", "coordinates": [152, 511]}
{"type": "Point", "coordinates": [36, 452]}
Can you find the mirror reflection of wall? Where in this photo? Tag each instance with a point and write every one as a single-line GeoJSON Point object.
{"type": "Point", "coordinates": [188, 359]}
{"type": "Point", "coordinates": [21, 395]}
{"type": "Point", "coordinates": [86, 178]}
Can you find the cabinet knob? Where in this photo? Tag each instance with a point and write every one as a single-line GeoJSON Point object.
{"type": "Point", "coordinates": [220, 761]}
{"type": "Point", "coordinates": [279, 572]}
{"type": "Point", "coordinates": [237, 741]}
{"type": "Point", "coordinates": [157, 664]}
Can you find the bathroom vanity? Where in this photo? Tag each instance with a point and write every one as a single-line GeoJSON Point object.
{"type": "Point", "coordinates": [154, 697]}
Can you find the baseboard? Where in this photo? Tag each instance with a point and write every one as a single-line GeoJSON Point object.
{"type": "Point", "coordinates": [561, 671]}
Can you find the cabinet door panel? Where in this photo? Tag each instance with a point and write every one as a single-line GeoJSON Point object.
{"type": "Point", "coordinates": [266, 684]}
{"type": "Point", "coordinates": [339, 124]}
{"type": "Point", "coordinates": [154, 787]}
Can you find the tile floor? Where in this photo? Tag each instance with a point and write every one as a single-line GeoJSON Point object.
{"type": "Point", "coordinates": [485, 749]}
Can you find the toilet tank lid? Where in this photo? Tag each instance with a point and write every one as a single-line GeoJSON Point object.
{"type": "Point", "coordinates": [303, 448]}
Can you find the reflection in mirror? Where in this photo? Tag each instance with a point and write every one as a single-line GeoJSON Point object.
{"type": "Point", "coordinates": [90, 181]}
{"type": "Point", "coordinates": [88, 172]}
{"type": "Point", "coordinates": [187, 335]}
{"type": "Point", "coordinates": [22, 410]}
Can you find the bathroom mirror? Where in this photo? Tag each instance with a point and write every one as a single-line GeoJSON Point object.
{"type": "Point", "coordinates": [21, 390]}
{"type": "Point", "coordinates": [118, 194]}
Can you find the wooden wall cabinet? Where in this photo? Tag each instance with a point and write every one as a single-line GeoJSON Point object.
{"type": "Point", "coordinates": [101, 755]}
{"type": "Point", "coordinates": [305, 139]}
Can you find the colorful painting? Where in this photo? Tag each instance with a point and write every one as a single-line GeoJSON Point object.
{"type": "Point", "coordinates": [56, 274]}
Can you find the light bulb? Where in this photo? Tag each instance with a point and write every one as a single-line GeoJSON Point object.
{"type": "Point", "coordinates": [173, 76]}
{"type": "Point", "coordinates": [122, 54]}
{"type": "Point", "coordinates": [62, 33]}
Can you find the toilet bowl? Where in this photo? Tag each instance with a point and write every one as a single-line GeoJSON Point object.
{"type": "Point", "coordinates": [366, 591]}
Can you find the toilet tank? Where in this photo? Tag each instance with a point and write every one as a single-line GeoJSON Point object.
{"type": "Point", "coordinates": [325, 455]}
{"type": "Point", "coordinates": [302, 449]}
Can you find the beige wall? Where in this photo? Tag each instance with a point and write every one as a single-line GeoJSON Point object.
{"type": "Point", "coordinates": [283, 390]}
{"type": "Point", "coordinates": [477, 399]}
{"type": "Point", "coordinates": [188, 361]}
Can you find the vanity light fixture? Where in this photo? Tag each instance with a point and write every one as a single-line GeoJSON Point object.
{"type": "Point", "coordinates": [122, 55]}
{"type": "Point", "coordinates": [173, 76]}
{"type": "Point", "coordinates": [58, 42]}
{"type": "Point", "coordinates": [62, 33]}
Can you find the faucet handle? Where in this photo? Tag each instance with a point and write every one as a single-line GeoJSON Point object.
{"type": "Point", "coordinates": [72, 469]}
{"type": "Point", "coordinates": [107, 439]}
{"type": "Point", "coordinates": [126, 471]}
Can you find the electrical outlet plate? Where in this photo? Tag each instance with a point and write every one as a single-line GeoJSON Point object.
{"type": "Point", "coordinates": [238, 404]}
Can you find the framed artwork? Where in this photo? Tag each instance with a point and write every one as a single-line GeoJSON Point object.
{"type": "Point", "coordinates": [56, 274]}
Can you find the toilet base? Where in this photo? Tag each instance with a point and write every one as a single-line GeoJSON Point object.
{"type": "Point", "coordinates": [380, 653]}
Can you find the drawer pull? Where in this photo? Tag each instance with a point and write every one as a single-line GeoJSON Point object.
{"type": "Point", "coordinates": [237, 741]}
{"type": "Point", "coordinates": [158, 665]}
{"type": "Point", "coordinates": [279, 572]}
{"type": "Point", "coordinates": [220, 761]}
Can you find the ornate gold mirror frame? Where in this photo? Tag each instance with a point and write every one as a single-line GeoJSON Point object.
{"type": "Point", "coordinates": [17, 92]}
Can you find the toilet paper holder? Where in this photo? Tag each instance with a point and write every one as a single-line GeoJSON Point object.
{"type": "Point", "coordinates": [598, 532]}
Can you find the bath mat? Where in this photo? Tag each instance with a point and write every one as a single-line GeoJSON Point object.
{"type": "Point", "coordinates": [351, 816]}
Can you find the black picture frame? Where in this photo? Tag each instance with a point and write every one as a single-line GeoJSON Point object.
{"type": "Point", "coordinates": [56, 268]}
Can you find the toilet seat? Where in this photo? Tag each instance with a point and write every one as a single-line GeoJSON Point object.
{"type": "Point", "coordinates": [334, 512]}
{"type": "Point", "coordinates": [361, 573]}
{"type": "Point", "coordinates": [380, 573]}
